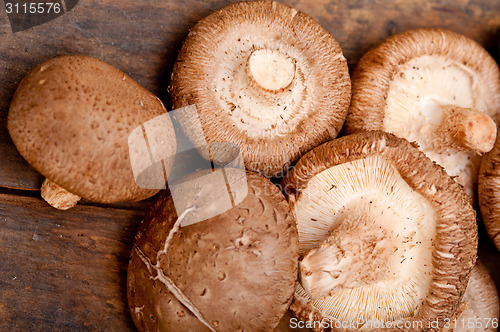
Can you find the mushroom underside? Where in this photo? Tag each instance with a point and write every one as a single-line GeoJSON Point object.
{"type": "Point", "coordinates": [421, 86]}
{"type": "Point", "coordinates": [254, 84]}
{"type": "Point", "coordinates": [366, 237]}
{"type": "Point", "coordinates": [385, 235]}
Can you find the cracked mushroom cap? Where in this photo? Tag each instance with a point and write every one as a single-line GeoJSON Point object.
{"type": "Point", "coordinates": [435, 87]}
{"type": "Point", "coordinates": [489, 192]}
{"type": "Point", "coordinates": [71, 117]}
{"type": "Point", "coordinates": [384, 234]}
{"type": "Point", "coordinates": [265, 77]}
{"type": "Point", "coordinates": [479, 309]}
{"type": "Point", "coordinates": [233, 272]}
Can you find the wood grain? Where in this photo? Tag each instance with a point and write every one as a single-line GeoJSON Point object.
{"type": "Point", "coordinates": [63, 271]}
{"type": "Point", "coordinates": [142, 39]}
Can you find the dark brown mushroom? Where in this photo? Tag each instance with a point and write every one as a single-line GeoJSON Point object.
{"type": "Point", "coordinates": [71, 118]}
{"type": "Point", "coordinates": [235, 271]}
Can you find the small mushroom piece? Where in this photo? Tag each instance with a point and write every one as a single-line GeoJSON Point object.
{"type": "Point", "coordinates": [489, 192]}
{"type": "Point", "coordinates": [385, 235]}
{"type": "Point", "coordinates": [479, 308]}
{"type": "Point", "coordinates": [265, 77]}
{"type": "Point", "coordinates": [235, 271]}
{"type": "Point", "coordinates": [71, 118]}
{"type": "Point", "coordinates": [435, 87]}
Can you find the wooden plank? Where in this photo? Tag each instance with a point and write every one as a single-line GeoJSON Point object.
{"type": "Point", "coordinates": [142, 38]}
{"type": "Point", "coordinates": [14, 170]}
{"type": "Point", "coordinates": [359, 25]}
{"type": "Point", "coordinates": [62, 271]}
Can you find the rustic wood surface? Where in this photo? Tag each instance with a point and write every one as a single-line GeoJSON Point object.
{"type": "Point", "coordinates": [64, 271]}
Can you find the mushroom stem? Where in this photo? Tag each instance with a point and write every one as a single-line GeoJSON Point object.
{"type": "Point", "coordinates": [57, 196]}
{"type": "Point", "coordinates": [466, 129]}
{"type": "Point", "coordinates": [346, 259]}
{"type": "Point", "coordinates": [316, 274]}
{"type": "Point", "coordinates": [271, 70]}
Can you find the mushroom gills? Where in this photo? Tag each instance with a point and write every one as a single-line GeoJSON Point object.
{"type": "Point", "coordinates": [479, 303]}
{"type": "Point", "coordinates": [369, 237]}
{"type": "Point", "coordinates": [266, 77]}
{"type": "Point", "coordinates": [438, 103]}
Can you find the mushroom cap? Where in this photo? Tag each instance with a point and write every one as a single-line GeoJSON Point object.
{"type": "Point", "coordinates": [266, 77]}
{"type": "Point", "coordinates": [479, 303]}
{"type": "Point", "coordinates": [444, 221]}
{"type": "Point", "coordinates": [71, 117]}
{"type": "Point", "coordinates": [399, 85]}
{"type": "Point", "coordinates": [237, 270]}
{"type": "Point", "coordinates": [489, 192]}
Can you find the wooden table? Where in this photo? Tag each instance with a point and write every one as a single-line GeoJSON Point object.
{"type": "Point", "coordinates": [64, 271]}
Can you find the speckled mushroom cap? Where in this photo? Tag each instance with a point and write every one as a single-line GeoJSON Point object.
{"type": "Point", "coordinates": [479, 306]}
{"type": "Point", "coordinates": [384, 235]}
{"type": "Point", "coordinates": [266, 77]}
{"type": "Point", "coordinates": [233, 272]}
{"type": "Point", "coordinates": [489, 192]}
{"type": "Point", "coordinates": [71, 117]}
{"type": "Point", "coordinates": [430, 86]}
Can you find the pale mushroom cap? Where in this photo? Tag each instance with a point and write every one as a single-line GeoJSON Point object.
{"type": "Point", "coordinates": [265, 77]}
{"type": "Point", "coordinates": [71, 117]}
{"type": "Point", "coordinates": [401, 85]}
{"type": "Point", "coordinates": [489, 192]}
{"type": "Point", "coordinates": [237, 270]}
{"type": "Point", "coordinates": [479, 304]}
{"type": "Point", "coordinates": [375, 197]}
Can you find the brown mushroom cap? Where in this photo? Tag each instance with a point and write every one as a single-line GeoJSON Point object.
{"type": "Point", "coordinates": [232, 272]}
{"type": "Point", "coordinates": [384, 234]}
{"type": "Point", "coordinates": [265, 77]}
{"type": "Point", "coordinates": [479, 306]}
{"type": "Point", "coordinates": [71, 117]}
{"type": "Point", "coordinates": [405, 85]}
{"type": "Point", "coordinates": [489, 192]}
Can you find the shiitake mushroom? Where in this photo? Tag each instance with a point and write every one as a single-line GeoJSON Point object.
{"type": "Point", "coordinates": [385, 235]}
{"type": "Point", "coordinates": [435, 87]}
{"type": "Point", "coordinates": [71, 118]}
{"type": "Point", "coordinates": [265, 77]}
{"type": "Point", "coordinates": [235, 271]}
